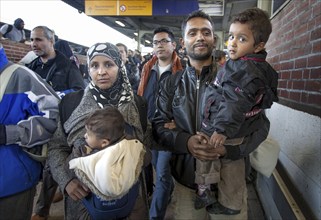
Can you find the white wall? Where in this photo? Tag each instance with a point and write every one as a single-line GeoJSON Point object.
{"type": "Point", "coordinates": [299, 136]}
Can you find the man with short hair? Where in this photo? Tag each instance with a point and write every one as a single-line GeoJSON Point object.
{"type": "Point", "coordinates": [64, 77]}
{"type": "Point", "coordinates": [52, 65]}
{"type": "Point", "coordinates": [14, 32]}
{"type": "Point", "coordinates": [181, 99]}
{"type": "Point", "coordinates": [164, 63]}
{"type": "Point", "coordinates": [131, 68]}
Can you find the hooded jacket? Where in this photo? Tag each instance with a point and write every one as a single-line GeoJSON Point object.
{"type": "Point", "coordinates": [235, 102]}
{"type": "Point", "coordinates": [28, 113]}
{"type": "Point", "coordinates": [16, 33]}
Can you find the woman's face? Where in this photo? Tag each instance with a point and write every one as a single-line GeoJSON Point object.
{"type": "Point", "coordinates": [103, 71]}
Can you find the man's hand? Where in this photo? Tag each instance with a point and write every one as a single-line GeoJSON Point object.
{"type": "Point", "coordinates": [170, 125]}
{"type": "Point", "coordinates": [76, 190]}
{"type": "Point", "coordinates": [198, 145]}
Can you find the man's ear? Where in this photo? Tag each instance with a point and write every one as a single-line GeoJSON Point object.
{"type": "Point", "coordinates": [181, 42]}
{"type": "Point", "coordinates": [174, 44]}
{"type": "Point", "coordinates": [259, 47]}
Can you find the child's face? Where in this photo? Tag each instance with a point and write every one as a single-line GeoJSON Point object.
{"type": "Point", "coordinates": [94, 142]}
{"type": "Point", "coordinates": [241, 41]}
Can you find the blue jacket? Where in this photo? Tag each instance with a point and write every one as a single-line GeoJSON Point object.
{"type": "Point", "coordinates": [28, 109]}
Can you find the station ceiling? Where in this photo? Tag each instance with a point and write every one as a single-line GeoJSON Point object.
{"type": "Point", "coordinates": [145, 24]}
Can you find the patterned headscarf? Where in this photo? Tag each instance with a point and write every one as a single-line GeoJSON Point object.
{"type": "Point", "coordinates": [120, 92]}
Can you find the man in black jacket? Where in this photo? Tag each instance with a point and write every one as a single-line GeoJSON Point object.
{"type": "Point", "coordinates": [182, 99]}
{"type": "Point", "coordinates": [52, 65]}
{"type": "Point", "coordinates": [64, 77]}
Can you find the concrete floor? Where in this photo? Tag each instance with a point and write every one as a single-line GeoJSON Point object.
{"type": "Point", "coordinates": [255, 211]}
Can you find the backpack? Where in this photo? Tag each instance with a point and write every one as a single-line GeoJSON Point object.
{"type": "Point", "coordinates": [97, 208]}
{"type": "Point", "coordinates": [8, 30]}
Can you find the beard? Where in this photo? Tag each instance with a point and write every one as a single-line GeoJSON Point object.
{"type": "Point", "coordinates": [199, 56]}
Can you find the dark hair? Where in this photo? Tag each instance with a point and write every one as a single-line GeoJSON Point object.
{"type": "Point", "coordinates": [17, 23]}
{"type": "Point", "coordinates": [196, 14]}
{"type": "Point", "coordinates": [259, 23]}
{"type": "Point", "coordinates": [219, 54]}
{"type": "Point", "coordinates": [166, 30]}
{"type": "Point", "coordinates": [49, 34]}
{"type": "Point", "coordinates": [107, 123]}
{"type": "Point", "coordinates": [122, 45]}
{"type": "Point", "coordinates": [63, 47]}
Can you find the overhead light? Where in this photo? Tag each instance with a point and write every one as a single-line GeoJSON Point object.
{"type": "Point", "coordinates": [135, 34]}
{"type": "Point", "coordinates": [212, 8]}
{"type": "Point", "coordinates": [147, 41]}
{"type": "Point", "coordinates": [120, 23]}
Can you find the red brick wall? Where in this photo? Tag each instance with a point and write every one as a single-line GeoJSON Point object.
{"type": "Point", "coordinates": [294, 50]}
{"type": "Point", "coordinates": [15, 51]}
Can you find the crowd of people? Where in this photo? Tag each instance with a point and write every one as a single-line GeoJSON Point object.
{"type": "Point", "coordinates": [188, 111]}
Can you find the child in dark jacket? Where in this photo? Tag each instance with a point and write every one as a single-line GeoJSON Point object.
{"type": "Point", "coordinates": [235, 105]}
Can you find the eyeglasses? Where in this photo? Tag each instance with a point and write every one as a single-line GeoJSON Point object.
{"type": "Point", "coordinates": [161, 42]}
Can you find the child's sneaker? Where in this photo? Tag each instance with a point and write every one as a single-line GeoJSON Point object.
{"type": "Point", "coordinates": [206, 199]}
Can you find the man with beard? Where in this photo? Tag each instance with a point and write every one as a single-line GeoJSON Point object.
{"type": "Point", "coordinates": [15, 32]}
{"type": "Point", "coordinates": [182, 99]}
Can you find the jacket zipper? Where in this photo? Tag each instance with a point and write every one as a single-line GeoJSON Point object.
{"type": "Point", "coordinates": [197, 101]}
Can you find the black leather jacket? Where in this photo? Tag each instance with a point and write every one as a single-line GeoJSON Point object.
{"type": "Point", "coordinates": [182, 100]}
{"type": "Point", "coordinates": [186, 110]}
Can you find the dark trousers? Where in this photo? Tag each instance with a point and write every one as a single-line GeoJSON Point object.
{"type": "Point", "coordinates": [18, 206]}
{"type": "Point", "coordinates": [47, 192]}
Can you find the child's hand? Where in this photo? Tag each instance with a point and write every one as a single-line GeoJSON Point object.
{"type": "Point", "coordinates": [217, 139]}
{"type": "Point", "coordinates": [87, 149]}
{"type": "Point", "coordinates": [170, 125]}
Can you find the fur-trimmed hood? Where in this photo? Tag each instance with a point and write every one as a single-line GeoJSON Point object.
{"type": "Point", "coordinates": [111, 172]}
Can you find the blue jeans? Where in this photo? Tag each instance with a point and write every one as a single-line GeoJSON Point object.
{"type": "Point", "coordinates": [164, 184]}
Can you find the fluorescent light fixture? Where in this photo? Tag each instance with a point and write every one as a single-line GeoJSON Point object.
{"type": "Point", "coordinates": [120, 23]}
{"type": "Point", "coordinates": [212, 8]}
{"type": "Point", "coordinates": [147, 41]}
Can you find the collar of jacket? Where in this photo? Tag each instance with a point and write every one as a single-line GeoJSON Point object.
{"type": "Point", "coordinates": [209, 72]}
{"type": "Point", "coordinates": [176, 66]}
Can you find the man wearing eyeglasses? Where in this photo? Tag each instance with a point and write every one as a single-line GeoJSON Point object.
{"type": "Point", "coordinates": [165, 62]}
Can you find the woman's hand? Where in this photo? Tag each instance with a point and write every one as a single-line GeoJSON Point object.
{"type": "Point", "coordinates": [76, 190]}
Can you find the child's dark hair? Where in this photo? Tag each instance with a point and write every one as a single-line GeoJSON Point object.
{"type": "Point", "coordinates": [259, 23]}
{"type": "Point", "coordinates": [219, 54]}
{"type": "Point", "coordinates": [166, 30]}
{"type": "Point", "coordinates": [107, 123]}
{"type": "Point", "coordinates": [196, 14]}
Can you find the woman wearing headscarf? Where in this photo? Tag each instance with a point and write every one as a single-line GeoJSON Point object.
{"type": "Point", "coordinates": [109, 87]}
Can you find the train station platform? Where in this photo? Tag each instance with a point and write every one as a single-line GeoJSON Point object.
{"type": "Point", "coordinates": [255, 210]}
